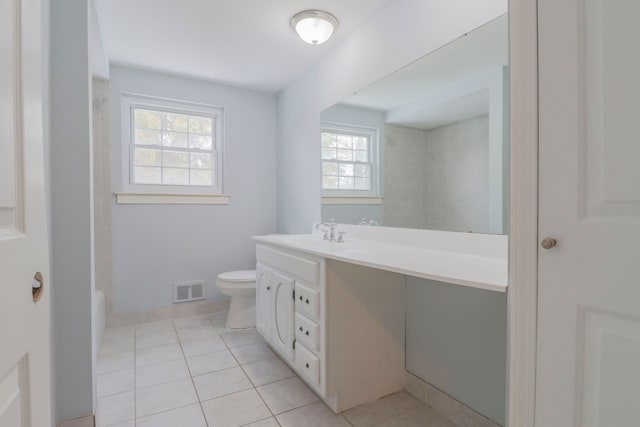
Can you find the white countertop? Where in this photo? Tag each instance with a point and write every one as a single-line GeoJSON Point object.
{"type": "Point", "coordinates": [466, 267]}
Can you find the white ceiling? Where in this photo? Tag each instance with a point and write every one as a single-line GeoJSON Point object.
{"type": "Point", "coordinates": [246, 43]}
{"type": "Point", "coordinates": [484, 49]}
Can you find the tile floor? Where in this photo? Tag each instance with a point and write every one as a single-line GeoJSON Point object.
{"type": "Point", "coordinates": [191, 372]}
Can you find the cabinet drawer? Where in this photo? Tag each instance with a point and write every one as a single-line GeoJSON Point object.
{"type": "Point", "coordinates": [307, 301]}
{"type": "Point", "coordinates": [307, 332]}
{"type": "Point", "coordinates": [308, 364]}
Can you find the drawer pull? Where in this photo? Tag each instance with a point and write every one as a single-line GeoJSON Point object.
{"type": "Point", "coordinates": [306, 365]}
{"type": "Point", "coordinates": [307, 333]}
{"type": "Point", "coordinates": [300, 297]}
{"type": "Point", "coordinates": [307, 301]}
{"type": "Point", "coordinates": [301, 329]}
{"type": "Point", "coordinates": [268, 288]}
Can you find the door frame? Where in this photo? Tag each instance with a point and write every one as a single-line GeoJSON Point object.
{"type": "Point", "coordinates": [523, 236]}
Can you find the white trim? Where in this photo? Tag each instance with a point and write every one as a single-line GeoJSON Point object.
{"type": "Point", "coordinates": [129, 100]}
{"type": "Point", "coordinates": [522, 295]}
{"type": "Point", "coordinates": [351, 200]}
{"type": "Point", "coordinates": [171, 199]}
{"type": "Point", "coordinates": [444, 404]}
{"type": "Point", "coordinates": [88, 421]}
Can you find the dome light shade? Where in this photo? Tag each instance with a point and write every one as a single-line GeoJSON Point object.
{"type": "Point", "coordinates": [314, 26]}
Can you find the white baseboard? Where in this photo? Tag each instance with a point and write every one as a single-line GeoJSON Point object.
{"type": "Point", "coordinates": [170, 312]}
{"type": "Point", "coordinates": [445, 405]}
{"type": "Point", "coordinates": [79, 422]}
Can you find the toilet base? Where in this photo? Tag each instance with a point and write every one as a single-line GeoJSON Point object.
{"type": "Point", "coordinates": [242, 312]}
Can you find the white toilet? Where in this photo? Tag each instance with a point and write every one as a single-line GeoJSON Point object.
{"type": "Point", "coordinates": [241, 287]}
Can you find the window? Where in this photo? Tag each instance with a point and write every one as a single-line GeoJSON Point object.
{"type": "Point", "coordinates": [171, 147]}
{"type": "Point", "coordinates": [349, 160]}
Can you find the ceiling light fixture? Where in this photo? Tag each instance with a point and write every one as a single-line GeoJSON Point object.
{"type": "Point", "coordinates": [314, 26]}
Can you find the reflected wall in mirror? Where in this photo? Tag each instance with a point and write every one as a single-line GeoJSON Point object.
{"type": "Point", "coordinates": [426, 147]}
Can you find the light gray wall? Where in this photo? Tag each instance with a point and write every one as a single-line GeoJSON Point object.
{"type": "Point", "coordinates": [71, 210]}
{"type": "Point", "coordinates": [156, 245]}
{"type": "Point", "coordinates": [401, 32]}
{"type": "Point", "coordinates": [342, 114]}
{"type": "Point", "coordinates": [438, 179]}
{"type": "Point", "coordinates": [457, 341]}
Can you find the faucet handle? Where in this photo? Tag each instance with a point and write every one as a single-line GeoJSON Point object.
{"type": "Point", "coordinates": [325, 236]}
{"type": "Point", "coordinates": [341, 236]}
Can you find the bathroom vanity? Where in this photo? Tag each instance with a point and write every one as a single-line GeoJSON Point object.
{"type": "Point", "coordinates": [424, 149]}
{"type": "Point", "coordinates": [336, 311]}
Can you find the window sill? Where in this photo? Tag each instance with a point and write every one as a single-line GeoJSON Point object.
{"type": "Point", "coordinates": [352, 200]}
{"type": "Point", "coordinates": [171, 199]}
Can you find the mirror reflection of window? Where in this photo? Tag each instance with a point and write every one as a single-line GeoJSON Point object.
{"type": "Point", "coordinates": [349, 162]}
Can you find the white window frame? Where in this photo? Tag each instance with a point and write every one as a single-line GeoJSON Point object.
{"type": "Point", "coordinates": [372, 134]}
{"type": "Point", "coordinates": [131, 101]}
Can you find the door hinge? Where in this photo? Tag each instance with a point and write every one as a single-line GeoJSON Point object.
{"type": "Point", "coordinates": [294, 294]}
{"type": "Point", "coordinates": [294, 344]}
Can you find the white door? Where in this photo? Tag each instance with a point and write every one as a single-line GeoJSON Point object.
{"type": "Point", "coordinates": [588, 356]}
{"type": "Point", "coordinates": [282, 314]}
{"type": "Point", "coordinates": [263, 303]}
{"type": "Point", "coordinates": [24, 323]}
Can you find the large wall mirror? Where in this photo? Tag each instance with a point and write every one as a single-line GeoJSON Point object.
{"type": "Point", "coordinates": [426, 147]}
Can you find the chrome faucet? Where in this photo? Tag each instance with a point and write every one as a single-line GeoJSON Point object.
{"type": "Point", "coordinates": [370, 222]}
{"type": "Point", "coordinates": [330, 234]}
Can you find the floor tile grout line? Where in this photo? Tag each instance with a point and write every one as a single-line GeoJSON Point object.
{"type": "Point", "coordinates": [254, 386]}
{"type": "Point", "coordinates": [175, 331]}
{"type": "Point", "coordinates": [248, 377]}
{"type": "Point", "coordinates": [164, 382]}
{"type": "Point", "coordinates": [164, 411]}
{"type": "Point", "coordinates": [142, 388]}
{"type": "Point", "coordinates": [220, 333]}
{"type": "Point", "coordinates": [313, 403]}
{"type": "Point", "coordinates": [264, 419]}
{"type": "Point", "coordinates": [135, 366]}
{"type": "Point", "coordinates": [193, 383]}
{"type": "Point", "coordinates": [299, 407]}
{"type": "Point", "coordinates": [180, 340]}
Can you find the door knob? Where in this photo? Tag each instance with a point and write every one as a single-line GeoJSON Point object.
{"type": "Point", "coordinates": [37, 285]}
{"type": "Point", "coordinates": [548, 243]}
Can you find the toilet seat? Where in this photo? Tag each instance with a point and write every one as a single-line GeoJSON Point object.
{"type": "Point", "coordinates": [238, 276]}
{"type": "Point", "coordinates": [241, 279]}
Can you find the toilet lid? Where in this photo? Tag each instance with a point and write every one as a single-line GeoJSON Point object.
{"type": "Point", "coordinates": [238, 276]}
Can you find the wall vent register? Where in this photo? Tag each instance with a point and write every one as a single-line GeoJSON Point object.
{"type": "Point", "coordinates": [188, 291]}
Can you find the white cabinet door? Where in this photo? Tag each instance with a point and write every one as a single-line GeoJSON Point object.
{"type": "Point", "coordinates": [263, 300]}
{"type": "Point", "coordinates": [282, 314]}
{"type": "Point", "coordinates": [24, 311]}
{"type": "Point", "coordinates": [588, 353]}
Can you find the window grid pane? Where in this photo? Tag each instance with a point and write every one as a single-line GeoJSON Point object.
{"type": "Point", "coordinates": [346, 163]}
{"type": "Point", "coordinates": [172, 148]}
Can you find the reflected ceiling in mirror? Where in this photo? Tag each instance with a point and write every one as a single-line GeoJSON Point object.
{"type": "Point", "coordinates": [427, 146]}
